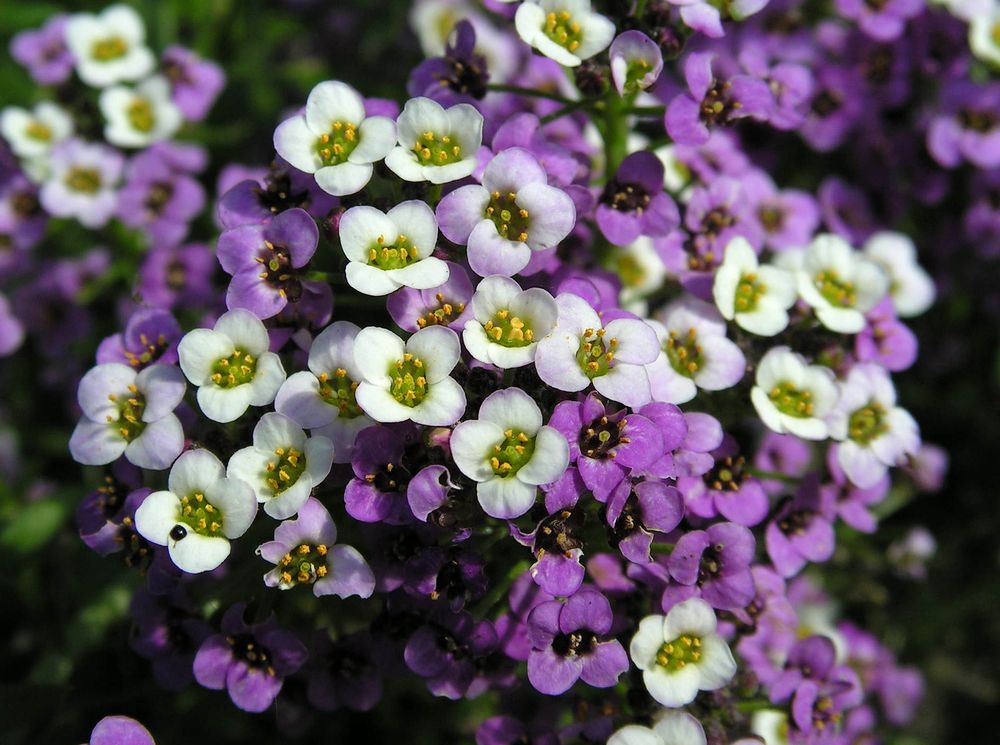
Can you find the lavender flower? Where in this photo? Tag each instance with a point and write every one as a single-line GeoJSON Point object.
{"type": "Point", "coordinates": [120, 730]}
{"type": "Point", "coordinates": [195, 83]}
{"type": "Point", "coordinates": [633, 202]}
{"type": "Point", "coordinates": [43, 51]}
{"type": "Point", "coordinates": [636, 62]}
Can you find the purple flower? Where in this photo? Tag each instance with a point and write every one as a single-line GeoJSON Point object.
{"type": "Point", "coordinates": [967, 127]}
{"type": "Point", "coordinates": [568, 644]}
{"type": "Point", "coordinates": [444, 305]}
{"type": "Point", "coordinates": [195, 83]}
{"type": "Point", "coordinates": [448, 651]}
{"type": "Point", "coordinates": [343, 673]}
{"type": "Point", "coordinates": [846, 210]}
{"type": "Point", "coordinates": [167, 630]}
{"type": "Point", "coordinates": [886, 340]}
{"type": "Point", "coordinates": [884, 20]}
{"type": "Point", "coordinates": [713, 564]}
{"type": "Point", "coordinates": [851, 502]}
{"type": "Point", "coordinates": [22, 219]}
{"type": "Point", "coordinates": [459, 76]}
{"type": "Point", "coordinates": [800, 532]}
{"type": "Point", "coordinates": [11, 330]}
{"type": "Point", "coordinates": [633, 202]}
{"type": "Point", "coordinates": [557, 540]}
{"type": "Point", "coordinates": [159, 198]}
{"type": "Point", "coordinates": [635, 511]}
{"type": "Point", "coordinates": [834, 108]}
{"type": "Point", "coordinates": [378, 491]}
{"type": "Point", "coordinates": [174, 276]}
{"type": "Point", "coordinates": [103, 513]}
{"type": "Point", "coordinates": [43, 51]}
{"type": "Point", "coordinates": [249, 661]}
{"type": "Point", "coordinates": [506, 730]}
{"type": "Point", "coordinates": [120, 730]}
{"type": "Point", "coordinates": [151, 335]}
{"type": "Point", "coordinates": [726, 489]}
{"type": "Point", "coordinates": [812, 658]}
{"type": "Point", "coordinates": [282, 188]}
{"type": "Point", "coordinates": [787, 218]}
{"type": "Point", "coordinates": [453, 574]}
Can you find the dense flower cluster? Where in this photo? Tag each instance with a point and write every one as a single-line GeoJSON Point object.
{"type": "Point", "coordinates": [584, 378]}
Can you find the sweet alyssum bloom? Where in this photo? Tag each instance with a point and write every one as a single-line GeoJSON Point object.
{"type": "Point", "coordinates": [435, 144]}
{"type": "Point", "coordinates": [636, 62]}
{"type": "Point", "coordinates": [984, 35]}
{"type": "Point", "coordinates": [509, 452]}
{"type": "Point", "coordinates": [304, 553]}
{"type": "Point", "coordinates": [673, 728]}
{"type": "Point", "coordinates": [31, 134]}
{"type": "Point", "coordinates": [513, 213]}
{"type": "Point", "coordinates": [198, 514]}
{"type": "Point", "coordinates": [334, 139]}
{"type": "Point", "coordinates": [411, 380]}
{"type": "Point", "coordinates": [792, 396]}
{"type": "Point", "coordinates": [109, 47]}
{"type": "Point", "coordinates": [389, 250]}
{"type": "Point", "coordinates": [81, 182]}
{"type": "Point", "coordinates": [140, 116]}
{"type": "Point", "coordinates": [508, 322]}
{"type": "Point", "coordinates": [680, 653]}
{"type": "Point", "coordinates": [231, 365]}
{"type": "Point", "coordinates": [839, 283]}
{"type": "Point", "coordinates": [756, 297]}
{"type": "Point", "coordinates": [129, 413]}
{"type": "Point", "coordinates": [283, 465]}
{"type": "Point", "coordinates": [911, 288]}
{"type": "Point", "coordinates": [567, 31]}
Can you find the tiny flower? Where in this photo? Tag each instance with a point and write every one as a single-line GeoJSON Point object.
{"type": "Point", "coordinates": [447, 304]}
{"type": "Point", "coordinates": [839, 283]}
{"type": "Point", "coordinates": [635, 511]}
{"type": "Point", "coordinates": [636, 62]}
{"type": "Point", "coordinates": [509, 452]}
{"type": "Point", "coordinates": [231, 365]}
{"type": "Point", "coordinates": [140, 116]}
{"type": "Point", "coordinates": [984, 36]}
{"type": "Point", "coordinates": [911, 288]}
{"type": "Point", "coordinates": [282, 466]}
{"type": "Point", "coordinates": [334, 140]}
{"type": "Point", "coordinates": [304, 553]}
{"type": "Point", "coordinates": [801, 531]}
{"type": "Point", "coordinates": [110, 47]}
{"type": "Point", "coordinates": [713, 564]}
{"type": "Point", "coordinates": [967, 127]}
{"type": "Point", "coordinates": [567, 31]}
{"type": "Point", "coordinates": [31, 134]}
{"type": "Point", "coordinates": [436, 144]}
{"type": "Point", "coordinates": [409, 381]}
{"type": "Point", "coordinates": [680, 653]}
{"type": "Point", "coordinates": [389, 250]}
{"type": "Point", "coordinates": [81, 182]}
{"type": "Point", "coordinates": [756, 297]}
{"type": "Point", "coordinates": [120, 730]}
{"type": "Point", "coordinates": [674, 728]}
{"type": "Point", "coordinates": [508, 322]}
{"type": "Point", "coordinates": [198, 514]}
{"type": "Point", "coordinates": [633, 202]}
{"type": "Point", "coordinates": [129, 413]}
{"type": "Point", "coordinates": [884, 21]}
{"type": "Point", "coordinates": [194, 82]}
{"type": "Point", "coordinates": [512, 214]}
{"type": "Point", "coordinates": [792, 396]}
{"type": "Point", "coordinates": [43, 51]}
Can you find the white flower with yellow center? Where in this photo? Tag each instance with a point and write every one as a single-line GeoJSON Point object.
{"type": "Point", "coordinates": [673, 728]}
{"type": "Point", "coordinates": [984, 35]}
{"type": "Point", "coordinates": [792, 396]}
{"type": "Point", "coordinates": [110, 47]}
{"type": "Point", "coordinates": [436, 144]}
{"type": "Point", "coordinates": [839, 283]}
{"type": "Point", "coordinates": [911, 287]}
{"type": "Point", "coordinates": [140, 116]}
{"type": "Point", "coordinates": [756, 297]}
{"type": "Point", "coordinates": [567, 31]}
{"type": "Point", "coordinates": [641, 271]}
{"type": "Point", "coordinates": [508, 322]}
{"type": "Point", "coordinates": [31, 134]}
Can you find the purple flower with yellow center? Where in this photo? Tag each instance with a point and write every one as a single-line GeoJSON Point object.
{"type": "Point", "coordinates": [727, 489]}
{"type": "Point", "coordinates": [250, 661]}
{"type": "Point", "coordinates": [167, 629]}
{"type": "Point", "coordinates": [459, 76]}
{"type": "Point", "coordinates": [22, 219]}
{"type": "Point", "coordinates": [281, 188]}
{"type": "Point", "coordinates": [151, 336]}
{"type": "Point", "coordinates": [378, 493]}
{"type": "Point", "coordinates": [713, 564]}
{"type": "Point", "coordinates": [195, 83]}
{"type": "Point", "coordinates": [159, 198]}
{"type": "Point", "coordinates": [570, 643]}
{"type": "Point", "coordinates": [635, 511]}
{"type": "Point", "coordinates": [633, 203]}
{"type": "Point", "coordinates": [801, 531]}
{"type": "Point", "coordinates": [886, 340]}
{"type": "Point", "coordinates": [787, 218]}
{"type": "Point", "coordinates": [834, 108]}
{"type": "Point", "coordinates": [177, 275]}
{"type": "Point", "coordinates": [448, 304]}
{"type": "Point", "coordinates": [967, 126]}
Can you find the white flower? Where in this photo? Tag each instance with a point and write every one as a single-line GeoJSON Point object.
{"type": "Point", "coordinates": [756, 297]}
{"type": "Point", "coordinates": [282, 466]}
{"type": "Point", "coordinates": [677, 177]}
{"type": "Point", "coordinates": [642, 272]}
{"type": "Point", "coordinates": [984, 35]}
{"type": "Point", "coordinates": [509, 453]}
{"type": "Point", "coordinates": [433, 21]}
{"type": "Point", "coordinates": [334, 140]}
{"type": "Point", "coordinates": [839, 283]}
{"type": "Point", "coordinates": [508, 322]}
{"type": "Point", "coordinates": [911, 288]}
{"type": "Point", "coordinates": [231, 365]}
{"type": "Point", "coordinates": [198, 514]}
{"type": "Point", "coordinates": [140, 116]}
{"type": "Point", "coordinates": [110, 47]}
{"type": "Point", "coordinates": [673, 728]}
{"type": "Point", "coordinates": [792, 396]}
{"type": "Point", "coordinates": [772, 725]}
{"type": "Point", "coordinates": [567, 31]}
{"type": "Point", "coordinates": [322, 398]}
{"type": "Point", "coordinates": [31, 134]}
{"type": "Point", "coordinates": [409, 381]}
{"type": "Point", "coordinates": [680, 653]}
{"type": "Point", "coordinates": [389, 250]}
{"type": "Point", "coordinates": [874, 433]}
{"type": "Point", "coordinates": [436, 144]}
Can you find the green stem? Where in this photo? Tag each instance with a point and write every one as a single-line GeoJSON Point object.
{"type": "Point", "coordinates": [756, 705]}
{"type": "Point", "coordinates": [568, 109]}
{"type": "Point", "coordinates": [615, 132]}
{"type": "Point", "coordinates": [774, 475]}
{"type": "Point", "coordinates": [644, 110]}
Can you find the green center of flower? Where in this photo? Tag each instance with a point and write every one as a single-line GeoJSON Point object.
{"type": "Point", "coordinates": [303, 565]}
{"type": "Point", "coordinates": [409, 386]}
{"type": "Point", "coordinates": [563, 30]}
{"type": "Point", "coordinates": [237, 369]}
{"type": "Point", "coordinates": [867, 423]}
{"type": "Point", "coordinates": [771, 217]}
{"type": "Point", "coordinates": [995, 33]}
{"type": "Point", "coordinates": [635, 70]}
{"type": "Point", "coordinates": [284, 471]}
{"type": "Point", "coordinates": [512, 453]}
{"type": "Point", "coordinates": [397, 255]}
{"type": "Point", "coordinates": [836, 291]}
{"type": "Point", "coordinates": [596, 355]}
{"type": "Point", "coordinates": [338, 390]}
{"type": "Point", "coordinates": [630, 270]}
{"type": "Point", "coordinates": [37, 130]}
{"type": "Point", "coordinates": [443, 315]}
{"type": "Point", "coordinates": [432, 150]}
{"type": "Point", "coordinates": [83, 180]}
{"type": "Point", "coordinates": [511, 220]}
{"type": "Point", "coordinates": [674, 655]}
{"type": "Point", "coordinates": [111, 48]}
{"type": "Point", "coordinates": [684, 352]}
{"type": "Point", "coordinates": [792, 401]}
{"type": "Point", "coordinates": [508, 330]}
{"type": "Point", "coordinates": [141, 115]}
{"type": "Point", "coordinates": [129, 424]}
{"type": "Point", "coordinates": [200, 515]}
{"type": "Point", "coordinates": [748, 292]}
{"type": "Point", "coordinates": [334, 147]}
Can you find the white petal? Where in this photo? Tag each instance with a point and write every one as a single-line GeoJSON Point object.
{"type": "Point", "coordinates": [423, 275]}
{"type": "Point", "coordinates": [443, 406]}
{"type": "Point", "coordinates": [439, 349]}
{"type": "Point", "coordinates": [237, 502]}
{"type": "Point", "coordinates": [472, 444]}
{"type": "Point", "coordinates": [550, 459]}
{"type": "Point", "coordinates": [512, 408]}
{"type": "Point", "coordinates": [693, 616]}
{"type": "Point", "coordinates": [332, 101]}
{"type": "Point", "coordinates": [199, 350]}
{"type": "Point", "coordinates": [224, 404]}
{"type": "Point", "coordinates": [415, 220]}
{"type": "Point", "coordinates": [196, 553]}
{"type": "Point", "coordinates": [370, 280]}
{"type": "Point", "coordinates": [717, 666]}
{"type": "Point", "coordinates": [245, 330]}
{"type": "Point", "coordinates": [160, 442]}
{"type": "Point", "coordinates": [505, 498]}
{"type": "Point", "coordinates": [672, 688]}
{"type": "Point", "coordinates": [376, 139]}
{"type": "Point", "coordinates": [296, 143]}
{"type": "Point", "coordinates": [376, 350]}
{"type": "Point", "coordinates": [156, 516]}
{"type": "Point", "coordinates": [379, 404]}
{"type": "Point", "coordinates": [194, 471]}
{"type": "Point", "coordinates": [277, 431]}
{"type": "Point", "coordinates": [361, 227]}
{"type": "Point", "coordinates": [344, 178]}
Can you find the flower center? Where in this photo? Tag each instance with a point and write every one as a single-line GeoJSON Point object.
{"type": "Point", "coordinates": [580, 642]}
{"type": "Point", "coordinates": [394, 256]}
{"type": "Point", "coordinates": [509, 455]}
{"type": "Point", "coordinates": [595, 355]}
{"type": "Point", "coordinates": [38, 130]}
{"type": "Point", "coordinates": [797, 522]}
{"type": "Point", "coordinates": [141, 115]}
{"type": "Point", "coordinates": [717, 106]}
{"type": "Point", "coordinates": [563, 30]}
{"type": "Point", "coordinates": [159, 194]}
{"type": "Point", "coordinates": [626, 197]}
{"type": "Point", "coordinates": [203, 517]}
{"type": "Point", "coordinates": [432, 150]}
{"type": "Point", "coordinates": [83, 180]}
{"type": "Point", "coordinates": [151, 351]}
{"type": "Point", "coordinates": [282, 473]}
{"type": "Point", "coordinates": [791, 401]}
{"type": "Point", "coordinates": [129, 423]}
{"type": "Point", "coordinates": [826, 103]}
{"type": "Point", "coordinates": [409, 386]}
{"type": "Point", "coordinates": [338, 390]}
{"type": "Point", "coordinates": [278, 271]}
{"type": "Point", "coordinates": [388, 478]}
{"type": "Point", "coordinates": [726, 475]}
{"type": "Point", "coordinates": [977, 120]}
{"type": "Point", "coordinates": [277, 195]}
{"type": "Point", "coordinates": [247, 649]}
{"type": "Point", "coordinates": [748, 292]}
{"type": "Point", "coordinates": [602, 436]}
{"type": "Point", "coordinates": [443, 315]}
{"type": "Point", "coordinates": [836, 291]}
{"type": "Point", "coordinates": [335, 146]}
{"type": "Point", "coordinates": [511, 221]}
{"type": "Point", "coordinates": [556, 532]}
{"type": "Point", "coordinates": [716, 220]}
{"type": "Point", "coordinates": [630, 270]}
{"type": "Point", "coordinates": [303, 565]}
{"type": "Point", "coordinates": [237, 369]}
{"type": "Point", "coordinates": [509, 331]}
{"type": "Point", "coordinates": [684, 353]}
{"type": "Point", "coordinates": [635, 71]}
{"type": "Point", "coordinates": [772, 217]}
{"type": "Point", "coordinates": [867, 423]}
{"type": "Point", "coordinates": [674, 655]}
{"type": "Point", "coordinates": [710, 565]}
{"type": "Point", "coordinates": [110, 48]}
